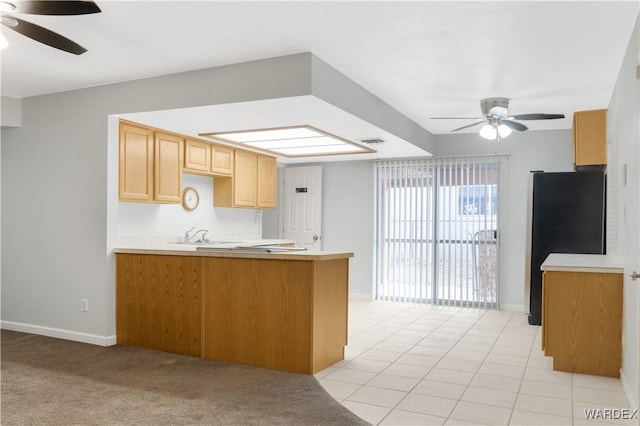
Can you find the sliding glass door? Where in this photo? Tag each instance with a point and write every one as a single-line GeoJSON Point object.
{"type": "Point", "coordinates": [437, 231]}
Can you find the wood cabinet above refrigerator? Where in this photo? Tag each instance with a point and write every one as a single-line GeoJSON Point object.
{"type": "Point", "coordinates": [590, 137]}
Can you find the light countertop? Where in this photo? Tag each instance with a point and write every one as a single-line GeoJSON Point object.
{"type": "Point", "coordinates": [224, 249]}
{"type": "Point", "coordinates": [562, 262]}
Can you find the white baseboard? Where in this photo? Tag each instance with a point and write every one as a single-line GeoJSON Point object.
{"type": "Point", "coordinates": [360, 296]}
{"type": "Point", "coordinates": [59, 333]}
{"type": "Point", "coordinates": [631, 398]}
{"type": "Point", "coordinates": [514, 308]}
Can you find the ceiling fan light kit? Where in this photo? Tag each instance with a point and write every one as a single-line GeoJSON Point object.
{"type": "Point", "coordinates": [494, 107]}
{"type": "Point", "coordinates": [497, 124]}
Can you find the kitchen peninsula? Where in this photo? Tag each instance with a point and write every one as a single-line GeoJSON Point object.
{"type": "Point", "coordinates": [273, 309]}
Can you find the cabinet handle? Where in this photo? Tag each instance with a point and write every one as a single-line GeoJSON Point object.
{"type": "Point", "coordinates": [634, 276]}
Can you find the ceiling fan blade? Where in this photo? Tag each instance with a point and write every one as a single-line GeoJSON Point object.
{"type": "Point", "coordinates": [49, 7]}
{"type": "Point", "coordinates": [536, 116]}
{"type": "Point", "coordinates": [514, 125]}
{"type": "Point", "coordinates": [45, 36]}
{"type": "Point", "coordinates": [457, 118]}
{"type": "Point", "coordinates": [468, 126]}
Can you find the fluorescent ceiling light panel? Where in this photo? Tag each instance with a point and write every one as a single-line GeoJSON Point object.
{"type": "Point", "coordinates": [298, 141]}
{"type": "Point", "coordinates": [269, 135]}
{"type": "Point", "coordinates": [295, 143]}
{"type": "Point", "coordinates": [319, 150]}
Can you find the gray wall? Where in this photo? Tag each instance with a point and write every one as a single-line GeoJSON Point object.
{"type": "Point", "coordinates": [10, 112]}
{"type": "Point", "coordinates": [348, 203]}
{"type": "Point", "coordinates": [550, 151]}
{"type": "Point", "coordinates": [347, 218]}
{"type": "Point", "coordinates": [54, 189]}
{"type": "Point", "coordinates": [59, 183]}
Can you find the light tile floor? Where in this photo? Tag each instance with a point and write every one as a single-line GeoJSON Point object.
{"type": "Point", "coordinates": [434, 365]}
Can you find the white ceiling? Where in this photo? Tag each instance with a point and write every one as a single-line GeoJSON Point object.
{"type": "Point", "coordinates": [424, 58]}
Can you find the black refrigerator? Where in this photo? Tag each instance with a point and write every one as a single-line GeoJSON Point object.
{"type": "Point", "coordinates": [566, 215]}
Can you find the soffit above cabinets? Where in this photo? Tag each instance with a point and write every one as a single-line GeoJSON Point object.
{"type": "Point", "coordinates": [283, 113]}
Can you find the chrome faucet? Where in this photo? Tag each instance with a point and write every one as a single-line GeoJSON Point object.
{"type": "Point", "coordinates": [203, 237]}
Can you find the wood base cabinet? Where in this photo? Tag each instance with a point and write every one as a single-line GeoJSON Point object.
{"type": "Point", "coordinates": [280, 314]}
{"type": "Point", "coordinates": [274, 313]}
{"type": "Point", "coordinates": [158, 302]}
{"type": "Point", "coordinates": [582, 321]}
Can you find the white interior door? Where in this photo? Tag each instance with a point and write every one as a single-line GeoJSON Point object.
{"type": "Point", "coordinates": [302, 219]}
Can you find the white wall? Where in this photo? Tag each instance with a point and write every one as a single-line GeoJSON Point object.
{"type": "Point", "coordinates": [550, 151]}
{"type": "Point", "coordinates": [623, 126]}
{"type": "Point", "coordinates": [171, 220]}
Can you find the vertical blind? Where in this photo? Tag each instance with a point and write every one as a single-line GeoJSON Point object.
{"type": "Point", "coordinates": [436, 231]}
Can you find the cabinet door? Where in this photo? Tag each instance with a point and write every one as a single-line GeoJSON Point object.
{"type": "Point", "coordinates": [135, 173]}
{"type": "Point", "coordinates": [267, 177]}
{"type": "Point", "coordinates": [158, 302]}
{"type": "Point", "coordinates": [245, 177]}
{"type": "Point", "coordinates": [197, 157]}
{"type": "Point", "coordinates": [221, 160]}
{"type": "Point", "coordinates": [168, 168]}
{"type": "Point", "coordinates": [590, 137]}
{"type": "Point", "coordinates": [582, 325]}
{"type": "Point", "coordinates": [543, 316]}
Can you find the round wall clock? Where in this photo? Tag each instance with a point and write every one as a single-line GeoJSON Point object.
{"type": "Point", "coordinates": [190, 198]}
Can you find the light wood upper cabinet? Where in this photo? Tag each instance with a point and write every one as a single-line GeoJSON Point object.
{"type": "Point", "coordinates": [135, 172]}
{"type": "Point", "coordinates": [267, 177]}
{"type": "Point", "coordinates": [221, 160]}
{"type": "Point", "coordinates": [150, 165]}
{"type": "Point", "coordinates": [253, 184]}
{"type": "Point", "coordinates": [168, 168]}
{"type": "Point", "coordinates": [205, 158]}
{"type": "Point", "coordinates": [152, 162]}
{"type": "Point", "coordinates": [245, 177]}
{"type": "Point", "coordinates": [590, 137]}
{"type": "Point", "coordinates": [197, 157]}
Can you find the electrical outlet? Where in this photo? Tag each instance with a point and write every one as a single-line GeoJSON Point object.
{"type": "Point", "coordinates": [85, 305]}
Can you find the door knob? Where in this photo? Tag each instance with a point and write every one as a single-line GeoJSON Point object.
{"type": "Point", "coordinates": [316, 237]}
{"type": "Point", "coordinates": [634, 276]}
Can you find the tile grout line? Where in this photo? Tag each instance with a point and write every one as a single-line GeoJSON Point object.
{"type": "Point", "coordinates": [442, 321]}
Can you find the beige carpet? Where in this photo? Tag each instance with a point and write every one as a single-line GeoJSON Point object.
{"type": "Point", "coordinates": [58, 382]}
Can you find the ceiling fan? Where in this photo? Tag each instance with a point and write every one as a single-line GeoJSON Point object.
{"type": "Point", "coordinates": [46, 7]}
{"type": "Point", "coordinates": [497, 124]}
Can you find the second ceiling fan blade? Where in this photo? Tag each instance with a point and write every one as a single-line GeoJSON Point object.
{"type": "Point", "coordinates": [513, 125]}
{"type": "Point", "coordinates": [457, 118]}
{"type": "Point", "coordinates": [468, 126]}
{"type": "Point", "coordinates": [536, 116]}
{"type": "Point", "coordinates": [49, 7]}
{"type": "Point", "coordinates": [45, 36]}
